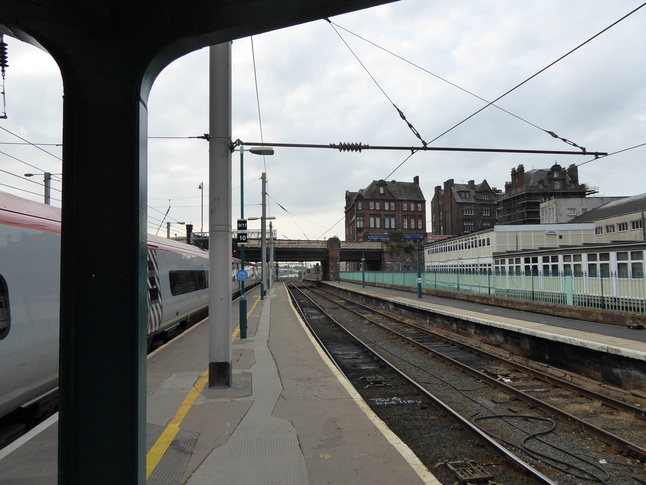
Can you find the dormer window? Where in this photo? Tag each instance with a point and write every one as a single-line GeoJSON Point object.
{"type": "Point", "coordinates": [381, 190]}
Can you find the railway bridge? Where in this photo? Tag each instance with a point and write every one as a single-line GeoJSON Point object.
{"type": "Point", "coordinates": [328, 252]}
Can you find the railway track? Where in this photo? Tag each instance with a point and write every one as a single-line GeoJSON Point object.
{"type": "Point", "coordinates": [569, 435]}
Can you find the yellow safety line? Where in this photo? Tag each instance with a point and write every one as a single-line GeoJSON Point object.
{"type": "Point", "coordinates": [154, 456]}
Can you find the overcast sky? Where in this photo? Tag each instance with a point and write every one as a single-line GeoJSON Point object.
{"type": "Point", "coordinates": [428, 57]}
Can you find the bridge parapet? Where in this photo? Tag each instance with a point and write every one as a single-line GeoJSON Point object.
{"type": "Point", "coordinates": [289, 244]}
{"type": "Point", "coordinates": [368, 245]}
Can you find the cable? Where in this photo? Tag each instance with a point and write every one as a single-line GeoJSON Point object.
{"type": "Point", "coordinates": [399, 111]}
{"type": "Point", "coordinates": [613, 153]}
{"type": "Point", "coordinates": [417, 66]}
{"type": "Point", "coordinates": [536, 74]}
{"type": "Point", "coordinates": [32, 144]}
{"type": "Point", "coordinates": [491, 103]}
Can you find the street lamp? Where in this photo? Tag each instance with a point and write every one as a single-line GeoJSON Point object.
{"type": "Point", "coordinates": [242, 304]}
{"type": "Point", "coordinates": [47, 179]}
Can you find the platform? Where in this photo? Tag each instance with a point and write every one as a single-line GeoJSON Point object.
{"type": "Point", "coordinates": [288, 418]}
{"type": "Point", "coordinates": [623, 341]}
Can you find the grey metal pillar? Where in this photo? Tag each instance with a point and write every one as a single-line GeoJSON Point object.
{"type": "Point", "coordinates": [271, 255]}
{"type": "Point", "coordinates": [220, 203]}
{"type": "Point", "coordinates": [263, 238]}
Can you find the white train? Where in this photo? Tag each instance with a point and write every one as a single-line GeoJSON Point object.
{"type": "Point", "coordinates": [29, 296]}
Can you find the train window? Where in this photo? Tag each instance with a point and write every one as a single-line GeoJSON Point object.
{"type": "Point", "coordinates": [5, 315]}
{"type": "Point", "coordinates": [187, 281]}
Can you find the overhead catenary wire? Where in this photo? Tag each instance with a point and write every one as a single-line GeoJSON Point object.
{"type": "Point", "coordinates": [491, 103]}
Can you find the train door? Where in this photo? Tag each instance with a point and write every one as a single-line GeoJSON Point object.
{"type": "Point", "coordinates": [155, 308]}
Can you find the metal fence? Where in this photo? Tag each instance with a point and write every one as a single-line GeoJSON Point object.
{"type": "Point", "coordinates": [610, 292]}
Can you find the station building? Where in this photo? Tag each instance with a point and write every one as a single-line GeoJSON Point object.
{"type": "Point", "coordinates": [475, 252]}
{"type": "Point", "coordinates": [619, 220]}
{"type": "Point", "coordinates": [386, 211]}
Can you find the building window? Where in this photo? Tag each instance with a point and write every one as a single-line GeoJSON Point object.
{"type": "Point", "coordinates": [359, 222]}
{"type": "Point", "coordinates": [405, 206]}
{"type": "Point", "coordinates": [412, 223]}
{"type": "Point", "coordinates": [359, 205]}
{"type": "Point", "coordinates": [377, 205]}
{"type": "Point", "coordinates": [598, 230]}
{"type": "Point", "coordinates": [405, 223]}
{"type": "Point", "coordinates": [387, 223]}
{"type": "Point", "coordinates": [622, 226]}
{"type": "Point", "coordinates": [377, 222]}
{"type": "Point", "coordinates": [486, 224]}
{"type": "Point", "coordinates": [392, 223]}
{"type": "Point", "coordinates": [468, 226]}
{"type": "Point", "coordinates": [571, 211]}
{"type": "Point", "coordinates": [467, 210]}
{"type": "Point", "coordinates": [372, 204]}
{"type": "Point", "coordinates": [610, 228]}
{"type": "Point", "coordinates": [419, 224]}
{"type": "Point", "coordinates": [381, 190]}
{"type": "Point", "coordinates": [372, 223]}
{"type": "Point", "coordinates": [419, 206]}
{"type": "Point", "coordinates": [464, 194]}
{"type": "Point", "coordinates": [486, 211]}
{"type": "Point", "coordinates": [392, 206]}
{"type": "Point", "coordinates": [634, 225]}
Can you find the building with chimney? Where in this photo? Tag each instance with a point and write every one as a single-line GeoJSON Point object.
{"type": "Point", "coordinates": [458, 209]}
{"type": "Point", "coordinates": [386, 211]}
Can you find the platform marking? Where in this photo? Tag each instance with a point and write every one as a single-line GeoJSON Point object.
{"type": "Point", "coordinates": [156, 453]}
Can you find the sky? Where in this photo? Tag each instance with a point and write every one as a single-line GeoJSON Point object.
{"type": "Point", "coordinates": [319, 83]}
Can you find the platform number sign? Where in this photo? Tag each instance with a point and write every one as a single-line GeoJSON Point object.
{"type": "Point", "coordinates": [242, 232]}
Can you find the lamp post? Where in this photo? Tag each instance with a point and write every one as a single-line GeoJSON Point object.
{"type": "Point", "coordinates": [242, 304]}
{"type": "Point", "coordinates": [201, 187]}
{"type": "Point", "coordinates": [363, 270]}
{"type": "Point", "coordinates": [47, 180]}
{"type": "Point", "coordinates": [419, 272]}
{"type": "Point", "coordinates": [271, 256]}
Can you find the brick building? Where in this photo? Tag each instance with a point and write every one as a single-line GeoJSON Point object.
{"type": "Point", "coordinates": [458, 209]}
{"type": "Point", "coordinates": [384, 210]}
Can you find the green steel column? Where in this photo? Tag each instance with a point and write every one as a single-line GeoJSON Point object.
{"type": "Point", "coordinates": [102, 418]}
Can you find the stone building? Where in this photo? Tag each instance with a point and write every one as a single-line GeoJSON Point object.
{"type": "Point", "coordinates": [386, 211]}
{"type": "Point", "coordinates": [521, 202]}
{"type": "Point", "coordinates": [458, 209]}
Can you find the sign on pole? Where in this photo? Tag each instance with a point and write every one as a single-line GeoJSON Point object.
{"type": "Point", "coordinates": [242, 232]}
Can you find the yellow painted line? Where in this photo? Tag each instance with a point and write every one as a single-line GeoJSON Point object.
{"type": "Point", "coordinates": [163, 442]}
{"type": "Point", "coordinates": [154, 456]}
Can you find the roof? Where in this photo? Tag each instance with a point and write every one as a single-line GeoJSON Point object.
{"type": "Point", "coordinates": [399, 191]}
{"type": "Point", "coordinates": [636, 203]}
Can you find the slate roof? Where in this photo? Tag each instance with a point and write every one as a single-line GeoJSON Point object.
{"type": "Point", "coordinates": [399, 191]}
{"type": "Point", "coordinates": [636, 203]}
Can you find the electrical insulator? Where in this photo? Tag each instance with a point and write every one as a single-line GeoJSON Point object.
{"type": "Point", "coordinates": [351, 147]}
{"type": "Point", "coordinates": [3, 55]}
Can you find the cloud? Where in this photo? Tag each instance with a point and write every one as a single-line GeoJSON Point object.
{"type": "Point", "coordinates": [312, 89]}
